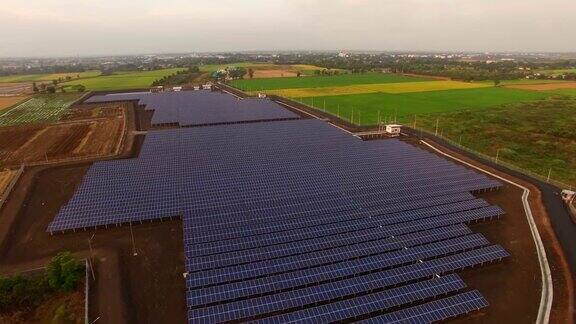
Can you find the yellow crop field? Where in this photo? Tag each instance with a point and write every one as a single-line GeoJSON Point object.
{"type": "Point", "coordinates": [403, 87]}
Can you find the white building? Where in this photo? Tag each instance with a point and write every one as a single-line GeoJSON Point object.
{"type": "Point", "coordinates": [393, 129]}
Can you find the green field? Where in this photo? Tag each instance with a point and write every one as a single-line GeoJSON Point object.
{"type": "Point", "coordinates": [123, 80]}
{"type": "Point", "coordinates": [38, 109]}
{"type": "Point", "coordinates": [536, 136]}
{"type": "Point", "coordinates": [365, 108]}
{"type": "Point", "coordinates": [322, 81]}
{"type": "Point", "coordinates": [524, 81]}
{"type": "Point", "coordinates": [556, 72]}
{"type": "Point", "coordinates": [47, 77]}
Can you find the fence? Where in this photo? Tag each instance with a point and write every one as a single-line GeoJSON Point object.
{"type": "Point", "coordinates": [495, 160]}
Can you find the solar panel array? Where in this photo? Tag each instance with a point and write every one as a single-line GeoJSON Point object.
{"type": "Point", "coordinates": [189, 108]}
{"type": "Point", "coordinates": [292, 221]}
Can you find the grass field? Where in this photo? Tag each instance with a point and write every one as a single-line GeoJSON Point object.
{"type": "Point", "coordinates": [524, 81]}
{"type": "Point", "coordinates": [537, 136]}
{"type": "Point", "coordinates": [556, 72]}
{"type": "Point", "coordinates": [40, 108]}
{"type": "Point", "coordinates": [400, 87]}
{"type": "Point", "coordinates": [47, 77]}
{"type": "Point", "coordinates": [364, 109]}
{"type": "Point", "coordinates": [322, 81]}
{"type": "Point", "coordinates": [124, 80]}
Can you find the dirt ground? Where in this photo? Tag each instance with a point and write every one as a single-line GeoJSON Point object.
{"type": "Point", "coordinates": [147, 288]}
{"type": "Point", "coordinates": [9, 101]}
{"type": "Point", "coordinates": [5, 178]}
{"type": "Point", "coordinates": [15, 88]}
{"type": "Point", "coordinates": [72, 138]}
{"type": "Point", "coordinates": [544, 87]}
{"type": "Point", "coordinates": [261, 74]}
{"type": "Point", "coordinates": [501, 283]}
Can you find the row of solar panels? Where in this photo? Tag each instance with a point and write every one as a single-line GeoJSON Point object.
{"type": "Point", "coordinates": [200, 107]}
{"type": "Point", "coordinates": [328, 295]}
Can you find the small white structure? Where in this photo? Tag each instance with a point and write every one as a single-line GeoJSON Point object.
{"type": "Point", "coordinates": [176, 89]}
{"type": "Point", "coordinates": [393, 129]}
{"type": "Point", "coordinates": [207, 86]}
{"type": "Point", "coordinates": [261, 95]}
{"type": "Point", "coordinates": [157, 89]}
{"type": "Point", "coordinates": [196, 87]}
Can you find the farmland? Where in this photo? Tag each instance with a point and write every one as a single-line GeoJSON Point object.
{"type": "Point", "coordinates": [47, 77]}
{"type": "Point", "coordinates": [367, 107]}
{"type": "Point", "coordinates": [85, 132]}
{"type": "Point", "coordinates": [7, 102]}
{"type": "Point", "coordinates": [323, 81]}
{"type": "Point", "coordinates": [400, 87]}
{"type": "Point", "coordinates": [537, 136]}
{"type": "Point", "coordinates": [123, 80]}
{"type": "Point", "coordinates": [40, 108]}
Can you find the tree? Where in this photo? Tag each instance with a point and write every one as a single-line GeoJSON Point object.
{"type": "Point", "coordinates": [35, 87]}
{"type": "Point", "coordinates": [496, 82]}
{"type": "Point", "coordinates": [64, 272]}
{"type": "Point", "coordinates": [251, 73]}
{"type": "Point", "coordinates": [51, 89]}
{"type": "Point", "coordinates": [298, 74]}
{"type": "Point", "coordinates": [54, 82]}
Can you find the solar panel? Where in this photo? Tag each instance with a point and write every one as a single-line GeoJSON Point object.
{"type": "Point", "coordinates": [436, 310]}
{"type": "Point", "coordinates": [295, 219]}
{"type": "Point", "coordinates": [376, 302]}
{"type": "Point", "coordinates": [189, 108]}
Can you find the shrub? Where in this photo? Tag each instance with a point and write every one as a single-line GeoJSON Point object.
{"type": "Point", "coordinates": [64, 272]}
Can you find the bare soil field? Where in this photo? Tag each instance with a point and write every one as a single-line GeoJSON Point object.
{"type": "Point", "coordinates": [70, 139]}
{"type": "Point", "coordinates": [146, 288]}
{"type": "Point", "coordinates": [544, 87]}
{"type": "Point", "coordinates": [261, 74]}
{"type": "Point", "coordinates": [9, 101]}
{"type": "Point", "coordinates": [12, 89]}
{"type": "Point", "coordinates": [5, 178]}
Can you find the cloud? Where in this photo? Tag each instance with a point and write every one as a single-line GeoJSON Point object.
{"type": "Point", "coordinates": [65, 27]}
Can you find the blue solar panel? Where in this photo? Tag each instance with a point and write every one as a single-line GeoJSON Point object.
{"type": "Point", "coordinates": [189, 108]}
{"type": "Point", "coordinates": [377, 302]}
{"type": "Point", "coordinates": [436, 310]}
{"type": "Point", "coordinates": [294, 218]}
{"type": "Point", "coordinates": [310, 296]}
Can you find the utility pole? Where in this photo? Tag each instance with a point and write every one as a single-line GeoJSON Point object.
{"type": "Point", "coordinates": [497, 155]}
{"type": "Point", "coordinates": [90, 257]}
{"type": "Point", "coordinates": [133, 244]}
{"type": "Point", "coordinates": [437, 122]}
{"type": "Point", "coordinates": [549, 174]}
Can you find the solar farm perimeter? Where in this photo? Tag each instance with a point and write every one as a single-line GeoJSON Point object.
{"type": "Point", "coordinates": [291, 219]}
{"type": "Point", "coordinates": [367, 99]}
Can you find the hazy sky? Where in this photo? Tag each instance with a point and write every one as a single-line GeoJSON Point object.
{"type": "Point", "coordinates": [95, 27]}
